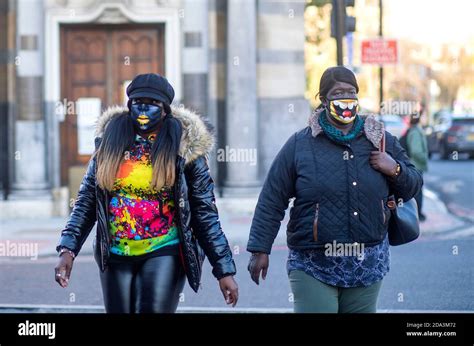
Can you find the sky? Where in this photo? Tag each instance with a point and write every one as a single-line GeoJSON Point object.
{"type": "Point", "coordinates": [430, 21]}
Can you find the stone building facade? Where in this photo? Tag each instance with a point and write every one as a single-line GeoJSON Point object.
{"type": "Point", "coordinates": [238, 62]}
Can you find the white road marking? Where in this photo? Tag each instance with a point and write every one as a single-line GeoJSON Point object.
{"type": "Point", "coordinates": [187, 309]}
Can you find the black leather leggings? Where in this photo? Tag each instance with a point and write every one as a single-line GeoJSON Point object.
{"type": "Point", "coordinates": [148, 286]}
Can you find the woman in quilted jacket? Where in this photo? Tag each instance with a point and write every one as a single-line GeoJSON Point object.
{"type": "Point", "coordinates": [149, 189]}
{"type": "Point", "coordinates": [339, 182]}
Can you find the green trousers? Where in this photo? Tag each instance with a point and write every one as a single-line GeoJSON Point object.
{"type": "Point", "coordinates": [311, 295]}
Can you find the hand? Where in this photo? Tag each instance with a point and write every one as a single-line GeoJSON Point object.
{"type": "Point", "coordinates": [383, 162]}
{"type": "Point", "coordinates": [229, 289]}
{"type": "Point", "coordinates": [258, 263]}
{"type": "Point", "coordinates": [63, 269]}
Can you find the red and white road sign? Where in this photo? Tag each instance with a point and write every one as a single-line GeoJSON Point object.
{"type": "Point", "coordinates": [379, 52]}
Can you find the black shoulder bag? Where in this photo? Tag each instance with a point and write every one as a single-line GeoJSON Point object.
{"type": "Point", "coordinates": [403, 225]}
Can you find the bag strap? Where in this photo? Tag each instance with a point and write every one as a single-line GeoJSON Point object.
{"type": "Point", "coordinates": [391, 201]}
{"type": "Point", "coordinates": [382, 141]}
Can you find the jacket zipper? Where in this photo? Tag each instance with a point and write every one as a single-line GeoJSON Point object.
{"type": "Point", "coordinates": [106, 228]}
{"type": "Point", "coordinates": [181, 223]}
{"type": "Point", "coordinates": [178, 217]}
{"type": "Point", "coordinates": [315, 222]}
{"type": "Point", "coordinates": [103, 237]}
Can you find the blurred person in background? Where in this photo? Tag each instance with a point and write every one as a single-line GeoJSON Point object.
{"type": "Point", "coordinates": [417, 150]}
{"type": "Point", "coordinates": [340, 183]}
{"type": "Point", "coordinates": [148, 185]}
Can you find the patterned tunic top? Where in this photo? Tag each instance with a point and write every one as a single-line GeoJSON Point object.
{"type": "Point", "coordinates": [141, 219]}
{"type": "Point", "coordinates": [343, 271]}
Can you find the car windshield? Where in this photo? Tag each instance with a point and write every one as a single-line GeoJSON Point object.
{"type": "Point", "coordinates": [392, 119]}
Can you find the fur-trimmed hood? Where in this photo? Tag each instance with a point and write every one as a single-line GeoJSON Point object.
{"type": "Point", "coordinates": [197, 139]}
{"type": "Point", "coordinates": [373, 129]}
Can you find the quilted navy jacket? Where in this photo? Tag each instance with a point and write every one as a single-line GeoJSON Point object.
{"type": "Point", "coordinates": [198, 220]}
{"type": "Point", "coordinates": [337, 195]}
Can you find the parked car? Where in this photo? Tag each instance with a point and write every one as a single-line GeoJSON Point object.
{"type": "Point", "coordinates": [451, 133]}
{"type": "Point", "coordinates": [395, 124]}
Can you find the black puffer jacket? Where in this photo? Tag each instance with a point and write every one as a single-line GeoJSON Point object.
{"type": "Point", "coordinates": [198, 220]}
{"type": "Point", "coordinates": [338, 195]}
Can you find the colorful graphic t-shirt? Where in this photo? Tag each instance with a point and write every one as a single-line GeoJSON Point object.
{"type": "Point", "coordinates": [142, 220]}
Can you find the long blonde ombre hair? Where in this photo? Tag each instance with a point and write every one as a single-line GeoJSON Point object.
{"type": "Point", "coordinates": [119, 138]}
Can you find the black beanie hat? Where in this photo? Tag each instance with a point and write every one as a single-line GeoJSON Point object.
{"type": "Point", "coordinates": [154, 86]}
{"type": "Point", "coordinates": [336, 74]}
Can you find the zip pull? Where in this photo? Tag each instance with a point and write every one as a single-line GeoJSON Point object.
{"type": "Point", "coordinates": [315, 222]}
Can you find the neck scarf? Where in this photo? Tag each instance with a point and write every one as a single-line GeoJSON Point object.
{"type": "Point", "coordinates": [337, 135]}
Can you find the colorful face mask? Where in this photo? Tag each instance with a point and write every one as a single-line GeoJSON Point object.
{"type": "Point", "coordinates": [343, 111]}
{"type": "Point", "coordinates": [145, 116]}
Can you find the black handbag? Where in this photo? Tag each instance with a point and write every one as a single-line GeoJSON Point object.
{"type": "Point", "coordinates": [403, 225]}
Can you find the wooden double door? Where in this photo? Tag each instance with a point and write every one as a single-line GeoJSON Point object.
{"type": "Point", "coordinates": [97, 62]}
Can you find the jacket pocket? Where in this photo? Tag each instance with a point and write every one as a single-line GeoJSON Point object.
{"type": "Point", "coordinates": [95, 249]}
{"type": "Point", "coordinates": [197, 252]}
{"type": "Point", "coordinates": [315, 222]}
{"type": "Point", "coordinates": [384, 218]}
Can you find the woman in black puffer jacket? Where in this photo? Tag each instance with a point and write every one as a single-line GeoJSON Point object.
{"type": "Point", "coordinates": [340, 183]}
{"type": "Point", "coordinates": [149, 189]}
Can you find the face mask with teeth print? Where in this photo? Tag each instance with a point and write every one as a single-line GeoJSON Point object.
{"type": "Point", "coordinates": [343, 111]}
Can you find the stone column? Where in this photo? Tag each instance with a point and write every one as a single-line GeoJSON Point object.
{"type": "Point", "coordinates": [241, 149]}
{"type": "Point", "coordinates": [195, 55]}
{"type": "Point", "coordinates": [217, 43]}
{"type": "Point", "coordinates": [196, 62]}
{"type": "Point", "coordinates": [282, 106]}
{"type": "Point", "coordinates": [7, 77]}
{"type": "Point", "coordinates": [30, 168]}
